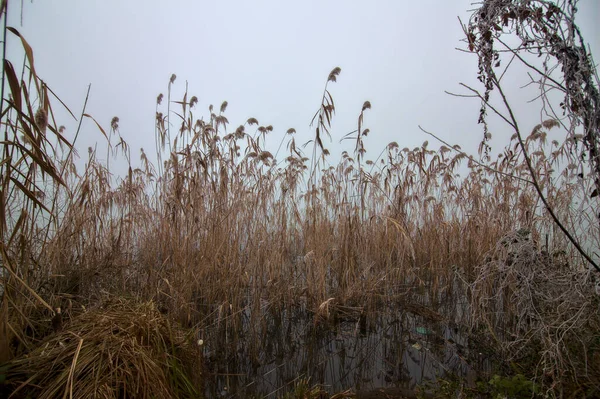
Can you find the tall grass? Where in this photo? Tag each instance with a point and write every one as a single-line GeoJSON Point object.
{"type": "Point", "coordinates": [220, 226]}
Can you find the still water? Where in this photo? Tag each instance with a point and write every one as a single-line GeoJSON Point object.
{"type": "Point", "coordinates": [265, 355]}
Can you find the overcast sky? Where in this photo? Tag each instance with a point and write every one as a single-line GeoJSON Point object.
{"type": "Point", "coordinates": [269, 60]}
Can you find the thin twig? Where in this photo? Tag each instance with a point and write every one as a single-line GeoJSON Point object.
{"type": "Point", "coordinates": [534, 178]}
{"type": "Point", "coordinates": [474, 160]}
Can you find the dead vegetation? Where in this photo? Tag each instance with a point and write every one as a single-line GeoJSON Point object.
{"type": "Point", "coordinates": [219, 228]}
{"type": "Point", "coordinates": [121, 349]}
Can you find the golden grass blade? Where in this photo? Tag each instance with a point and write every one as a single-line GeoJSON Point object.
{"type": "Point", "coordinates": [69, 384]}
{"type": "Point", "coordinates": [62, 103]}
{"type": "Point", "coordinates": [17, 335]}
{"type": "Point", "coordinates": [28, 53]}
{"type": "Point", "coordinates": [8, 265]}
{"type": "Point", "coordinates": [23, 385]}
{"type": "Point", "coordinates": [404, 233]}
{"type": "Point", "coordinates": [62, 138]}
{"type": "Point", "coordinates": [2, 213]}
{"type": "Point", "coordinates": [17, 227]}
{"type": "Point", "coordinates": [28, 132]}
{"type": "Point", "coordinates": [29, 194]}
{"type": "Point", "coordinates": [97, 124]}
{"type": "Point", "coordinates": [13, 82]}
{"type": "Point", "coordinates": [46, 167]}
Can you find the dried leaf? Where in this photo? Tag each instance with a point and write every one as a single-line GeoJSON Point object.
{"type": "Point", "coordinates": [97, 124]}
{"type": "Point", "coordinates": [14, 84]}
{"type": "Point", "coordinates": [28, 53]}
{"type": "Point", "coordinates": [8, 266]}
{"type": "Point", "coordinates": [29, 194]}
{"type": "Point", "coordinates": [58, 98]}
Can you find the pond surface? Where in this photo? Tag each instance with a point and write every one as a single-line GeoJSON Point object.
{"type": "Point", "coordinates": [399, 347]}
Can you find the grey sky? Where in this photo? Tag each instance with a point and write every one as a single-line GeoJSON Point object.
{"type": "Point", "coordinates": [268, 59]}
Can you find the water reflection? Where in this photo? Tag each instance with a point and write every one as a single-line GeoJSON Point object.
{"type": "Point", "coordinates": [262, 353]}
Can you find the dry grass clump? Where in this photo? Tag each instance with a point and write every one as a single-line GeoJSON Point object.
{"type": "Point", "coordinates": [123, 349]}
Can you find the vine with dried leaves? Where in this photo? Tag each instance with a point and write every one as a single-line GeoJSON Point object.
{"type": "Point", "coordinates": [547, 30]}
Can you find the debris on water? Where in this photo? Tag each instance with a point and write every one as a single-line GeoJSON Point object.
{"type": "Point", "coordinates": [423, 330]}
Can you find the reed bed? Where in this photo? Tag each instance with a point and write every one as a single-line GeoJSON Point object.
{"type": "Point", "coordinates": [218, 228]}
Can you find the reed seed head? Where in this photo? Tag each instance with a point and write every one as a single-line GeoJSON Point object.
{"type": "Point", "coordinates": [41, 119]}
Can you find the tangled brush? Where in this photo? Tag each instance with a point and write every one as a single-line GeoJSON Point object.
{"type": "Point", "coordinates": [541, 311]}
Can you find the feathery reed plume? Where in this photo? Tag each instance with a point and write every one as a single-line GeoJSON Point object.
{"type": "Point", "coordinates": [114, 123]}
{"type": "Point", "coordinates": [41, 119]}
{"type": "Point", "coordinates": [334, 74]}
